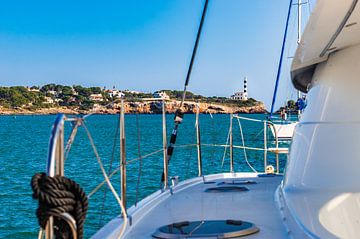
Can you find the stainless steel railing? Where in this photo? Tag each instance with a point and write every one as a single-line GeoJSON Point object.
{"type": "Point", "coordinates": [55, 164]}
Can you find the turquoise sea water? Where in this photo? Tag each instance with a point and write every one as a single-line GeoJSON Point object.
{"type": "Point", "coordinates": [24, 145]}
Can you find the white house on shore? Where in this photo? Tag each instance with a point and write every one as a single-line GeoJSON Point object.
{"type": "Point", "coordinates": [161, 95]}
{"type": "Point", "coordinates": [32, 89]}
{"type": "Point", "coordinates": [48, 100]}
{"type": "Point", "coordinates": [115, 93]}
{"type": "Point", "coordinates": [96, 97]}
{"type": "Point", "coordinates": [241, 95]}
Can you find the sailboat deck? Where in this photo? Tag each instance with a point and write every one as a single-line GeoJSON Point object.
{"type": "Point", "coordinates": [190, 202]}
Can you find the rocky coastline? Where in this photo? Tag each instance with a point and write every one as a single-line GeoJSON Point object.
{"type": "Point", "coordinates": [149, 107]}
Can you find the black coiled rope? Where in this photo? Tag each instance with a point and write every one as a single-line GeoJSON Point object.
{"type": "Point", "coordinates": [59, 195]}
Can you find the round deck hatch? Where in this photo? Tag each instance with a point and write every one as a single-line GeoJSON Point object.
{"type": "Point", "coordinates": [206, 229]}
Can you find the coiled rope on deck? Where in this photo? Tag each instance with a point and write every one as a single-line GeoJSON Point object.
{"type": "Point", "coordinates": [58, 195]}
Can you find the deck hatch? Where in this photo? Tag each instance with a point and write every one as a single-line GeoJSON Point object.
{"type": "Point", "coordinates": [237, 182]}
{"type": "Point", "coordinates": [220, 189]}
{"type": "Point", "coordinates": [206, 229]}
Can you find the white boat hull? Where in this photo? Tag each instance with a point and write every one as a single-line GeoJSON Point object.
{"type": "Point", "coordinates": [283, 131]}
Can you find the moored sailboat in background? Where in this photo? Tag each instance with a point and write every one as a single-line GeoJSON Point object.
{"type": "Point", "coordinates": [284, 126]}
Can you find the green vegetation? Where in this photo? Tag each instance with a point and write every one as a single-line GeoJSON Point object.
{"type": "Point", "coordinates": [176, 94]}
{"type": "Point", "coordinates": [49, 95]}
{"type": "Point", "coordinates": [84, 98]}
{"type": "Point", "coordinates": [291, 106]}
{"type": "Point", "coordinates": [19, 96]}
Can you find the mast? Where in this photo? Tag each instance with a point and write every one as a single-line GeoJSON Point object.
{"type": "Point", "coordinates": [299, 21]}
{"type": "Point", "coordinates": [280, 60]}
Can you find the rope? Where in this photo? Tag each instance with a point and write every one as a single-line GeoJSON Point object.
{"type": "Point", "coordinates": [243, 144]}
{"type": "Point", "coordinates": [58, 195]}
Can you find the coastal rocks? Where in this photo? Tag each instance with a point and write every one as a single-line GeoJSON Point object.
{"type": "Point", "coordinates": [43, 111]}
{"type": "Point", "coordinates": [148, 107]}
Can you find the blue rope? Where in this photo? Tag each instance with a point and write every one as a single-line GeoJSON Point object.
{"type": "Point", "coordinates": [280, 62]}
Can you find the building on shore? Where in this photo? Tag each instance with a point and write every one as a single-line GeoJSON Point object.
{"type": "Point", "coordinates": [32, 89]}
{"type": "Point", "coordinates": [132, 92]}
{"type": "Point", "coordinates": [116, 94]}
{"type": "Point", "coordinates": [96, 97]}
{"type": "Point", "coordinates": [161, 95]}
{"type": "Point", "coordinates": [241, 95]}
{"type": "Point", "coordinates": [48, 100]}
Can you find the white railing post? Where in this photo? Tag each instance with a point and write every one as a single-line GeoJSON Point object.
{"type": "Point", "coordinates": [231, 145]}
{"type": "Point", "coordinates": [198, 142]}
{"type": "Point", "coordinates": [55, 165]}
{"type": "Point", "coordinates": [265, 145]}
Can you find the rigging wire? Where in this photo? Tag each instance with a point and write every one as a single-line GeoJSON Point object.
{"type": "Point", "coordinates": [225, 150]}
{"type": "Point", "coordinates": [194, 52]}
{"type": "Point", "coordinates": [243, 144]}
{"type": "Point", "coordinates": [110, 169]}
{"type": "Point", "coordinates": [140, 158]}
{"type": "Point", "coordinates": [179, 114]}
{"type": "Point", "coordinates": [118, 199]}
{"type": "Point", "coordinates": [280, 61]}
{"type": "Point", "coordinates": [291, 48]}
{"type": "Point", "coordinates": [117, 170]}
{"type": "Point", "coordinates": [310, 8]}
{"type": "Point", "coordinates": [75, 125]}
{"type": "Point", "coordinates": [213, 140]}
{"type": "Point", "coordinates": [189, 152]}
{"type": "Point", "coordinates": [189, 157]}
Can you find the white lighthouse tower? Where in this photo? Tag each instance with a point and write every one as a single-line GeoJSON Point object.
{"type": "Point", "coordinates": [242, 95]}
{"type": "Point", "coordinates": [245, 94]}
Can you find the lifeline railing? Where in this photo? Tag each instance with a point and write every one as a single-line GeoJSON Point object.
{"type": "Point", "coordinates": [55, 163]}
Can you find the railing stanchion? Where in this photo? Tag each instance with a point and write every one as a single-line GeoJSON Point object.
{"type": "Point", "coordinates": [265, 145]}
{"type": "Point", "coordinates": [122, 156]}
{"type": "Point", "coordinates": [198, 142]}
{"type": "Point", "coordinates": [60, 153]}
{"type": "Point", "coordinates": [231, 145]}
{"type": "Point", "coordinates": [166, 170]}
{"type": "Point", "coordinates": [55, 162]}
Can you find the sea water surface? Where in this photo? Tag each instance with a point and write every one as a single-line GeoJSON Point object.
{"type": "Point", "coordinates": [24, 147]}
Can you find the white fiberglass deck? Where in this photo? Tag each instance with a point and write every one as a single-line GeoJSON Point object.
{"type": "Point", "coordinates": [190, 202]}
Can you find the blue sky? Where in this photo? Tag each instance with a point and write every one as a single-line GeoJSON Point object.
{"type": "Point", "coordinates": [146, 45]}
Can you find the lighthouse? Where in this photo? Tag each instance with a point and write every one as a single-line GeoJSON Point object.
{"type": "Point", "coordinates": [245, 94]}
{"type": "Point", "coordinates": [242, 95]}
